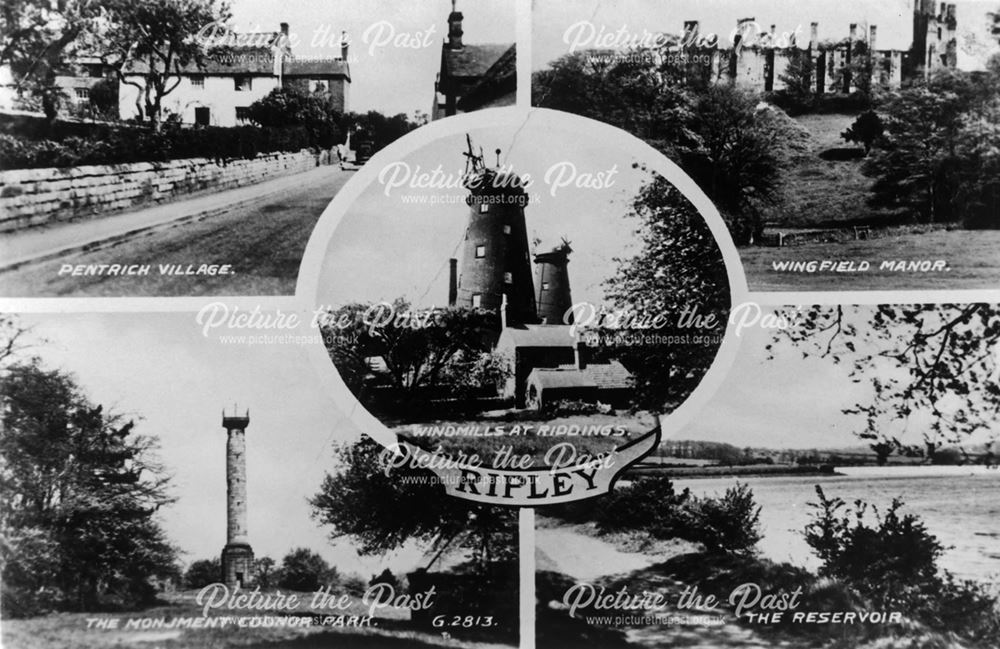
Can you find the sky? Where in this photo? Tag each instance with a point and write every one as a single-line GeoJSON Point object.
{"type": "Point", "coordinates": [385, 248]}
{"type": "Point", "coordinates": [385, 78]}
{"type": "Point", "coordinates": [894, 19]}
{"type": "Point", "coordinates": [160, 369]}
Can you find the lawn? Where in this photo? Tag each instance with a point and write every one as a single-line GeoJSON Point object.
{"type": "Point", "coordinates": [822, 193]}
{"type": "Point", "coordinates": [391, 628]}
{"type": "Point", "coordinates": [972, 261]}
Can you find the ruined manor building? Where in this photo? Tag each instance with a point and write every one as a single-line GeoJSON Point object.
{"type": "Point", "coordinates": [760, 59]}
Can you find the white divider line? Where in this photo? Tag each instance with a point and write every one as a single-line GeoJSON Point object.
{"type": "Point", "coordinates": [522, 32]}
{"type": "Point", "coordinates": [526, 556]}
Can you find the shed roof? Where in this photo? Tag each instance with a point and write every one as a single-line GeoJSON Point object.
{"type": "Point", "coordinates": [549, 378]}
{"type": "Point", "coordinates": [609, 376]}
{"type": "Point", "coordinates": [540, 336]}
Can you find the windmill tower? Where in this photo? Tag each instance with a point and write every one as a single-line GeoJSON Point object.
{"type": "Point", "coordinates": [552, 285]}
{"type": "Point", "coordinates": [237, 556]}
{"type": "Point", "coordinates": [495, 262]}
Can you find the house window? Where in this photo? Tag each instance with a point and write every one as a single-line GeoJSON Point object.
{"type": "Point", "coordinates": [198, 81]}
{"type": "Point", "coordinates": [508, 278]}
{"type": "Point", "coordinates": [317, 85]}
{"type": "Point", "coordinates": [477, 300]}
{"type": "Point", "coordinates": [483, 208]}
{"type": "Point", "coordinates": [480, 252]}
{"type": "Point", "coordinates": [242, 114]}
{"type": "Point", "coordinates": [243, 84]}
{"type": "Point", "coordinates": [82, 95]}
{"type": "Point", "coordinates": [545, 286]}
{"type": "Point", "coordinates": [506, 229]}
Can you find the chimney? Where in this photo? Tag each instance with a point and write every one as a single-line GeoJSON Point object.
{"type": "Point", "coordinates": [343, 45]}
{"type": "Point", "coordinates": [284, 29]}
{"type": "Point", "coordinates": [871, 39]}
{"type": "Point", "coordinates": [854, 32]}
{"type": "Point", "coordinates": [813, 35]}
{"type": "Point", "coordinates": [452, 281]}
{"type": "Point", "coordinates": [455, 27]}
{"type": "Point", "coordinates": [691, 28]}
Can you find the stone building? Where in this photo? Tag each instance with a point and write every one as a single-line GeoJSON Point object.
{"type": "Point", "coordinates": [473, 76]}
{"type": "Point", "coordinates": [759, 58]}
{"type": "Point", "coordinates": [219, 90]}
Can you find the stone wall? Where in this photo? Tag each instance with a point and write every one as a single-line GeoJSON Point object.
{"type": "Point", "coordinates": [32, 197]}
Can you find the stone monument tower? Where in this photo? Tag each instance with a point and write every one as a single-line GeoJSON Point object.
{"type": "Point", "coordinates": [237, 556]}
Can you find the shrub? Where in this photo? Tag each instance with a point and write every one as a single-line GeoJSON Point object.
{"type": "Point", "coordinates": [203, 572]}
{"type": "Point", "coordinates": [304, 570]}
{"type": "Point", "coordinates": [866, 130]}
{"type": "Point", "coordinates": [892, 561]}
{"type": "Point", "coordinates": [726, 525]}
{"type": "Point", "coordinates": [567, 407]}
{"type": "Point", "coordinates": [648, 504]}
{"type": "Point", "coordinates": [127, 145]}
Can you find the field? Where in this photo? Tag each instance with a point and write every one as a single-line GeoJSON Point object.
{"type": "Point", "coordinates": [391, 629]}
{"type": "Point", "coordinates": [826, 193]}
{"type": "Point", "coordinates": [823, 194]}
{"type": "Point", "coordinates": [972, 262]}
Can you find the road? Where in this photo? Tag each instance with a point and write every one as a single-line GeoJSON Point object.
{"type": "Point", "coordinates": [261, 241]}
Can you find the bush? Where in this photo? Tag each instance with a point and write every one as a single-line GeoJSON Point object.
{"type": "Point", "coordinates": [203, 572]}
{"type": "Point", "coordinates": [304, 570]}
{"type": "Point", "coordinates": [866, 130]}
{"type": "Point", "coordinates": [127, 145]}
{"type": "Point", "coordinates": [568, 407]}
{"type": "Point", "coordinates": [892, 561]}
{"type": "Point", "coordinates": [727, 525]}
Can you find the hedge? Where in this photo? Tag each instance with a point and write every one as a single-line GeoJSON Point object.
{"type": "Point", "coordinates": [121, 146]}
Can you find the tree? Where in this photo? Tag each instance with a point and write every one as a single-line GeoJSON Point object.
{"type": "Point", "coordinates": [283, 107]}
{"type": "Point", "coordinates": [304, 570]}
{"type": "Point", "coordinates": [35, 37]}
{"type": "Point", "coordinates": [929, 363]}
{"type": "Point", "coordinates": [381, 510]}
{"type": "Point", "coordinates": [865, 130]}
{"type": "Point", "coordinates": [938, 156]}
{"type": "Point", "coordinates": [81, 492]}
{"type": "Point", "coordinates": [678, 267]}
{"type": "Point", "coordinates": [264, 567]}
{"type": "Point", "coordinates": [156, 40]}
{"type": "Point", "coordinates": [414, 357]}
{"type": "Point", "coordinates": [381, 130]}
{"type": "Point", "coordinates": [714, 132]}
{"type": "Point", "coordinates": [798, 94]}
{"type": "Point", "coordinates": [203, 572]}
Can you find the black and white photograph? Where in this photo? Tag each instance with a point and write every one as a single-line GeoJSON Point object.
{"type": "Point", "coordinates": [839, 490]}
{"type": "Point", "coordinates": [188, 147]}
{"type": "Point", "coordinates": [489, 324]}
{"type": "Point", "coordinates": [529, 287]}
{"type": "Point", "coordinates": [170, 480]}
{"type": "Point", "coordinates": [849, 145]}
